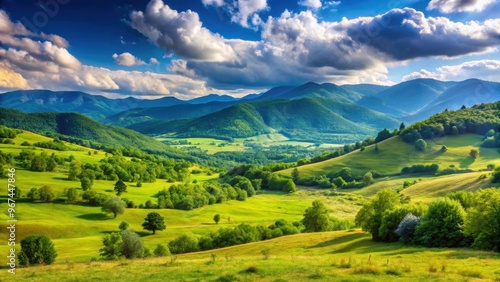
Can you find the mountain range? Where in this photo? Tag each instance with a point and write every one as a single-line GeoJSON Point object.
{"type": "Point", "coordinates": [307, 111]}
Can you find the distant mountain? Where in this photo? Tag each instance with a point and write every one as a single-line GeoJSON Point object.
{"type": "Point", "coordinates": [182, 111]}
{"type": "Point", "coordinates": [274, 93]}
{"type": "Point", "coordinates": [366, 89]}
{"type": "Point", "coordinates": [326, 90]}
{"type": "Point", "coordinates": [311, 119]}
{"type": "Point", "coordinates": [94, 106]}
{"type": "Point", "coordinates": [411, 96]}
{"type": "Point", "coordinates": [79, 126]}
{"type": "Point", "coordinates": [466, 93]}
{"type": "Point", "coordinates": [376, 104]}
{"type": "Point", "coordinates": [212, 98]}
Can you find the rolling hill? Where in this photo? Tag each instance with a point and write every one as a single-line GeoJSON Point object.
{"type": "Point", "coordinates": [79, 126]}
{"type": "Point", "coordinates": [310, 119]}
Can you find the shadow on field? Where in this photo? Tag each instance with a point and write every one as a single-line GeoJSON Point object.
{"type": "Point", "coordinates": [94, 216]}
{"type": "Point", "coordinates": [109, 191]}
{"type": "Point", "coordinates": [339, 240]}
{"type": "Point", "coordinates": [466, 162]}
{"type": "Point", "coordinates": [144, 233]}
{"type": "Point", "coordinates": [61, 178]}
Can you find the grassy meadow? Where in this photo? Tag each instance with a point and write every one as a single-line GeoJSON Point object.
{"type": "Point", "coordinates": [77, 230]}
{"type": "Point", "coordinates": [395, 154]}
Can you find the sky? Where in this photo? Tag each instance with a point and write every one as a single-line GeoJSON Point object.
{"type": "Point", "coordinates": [186, 49]}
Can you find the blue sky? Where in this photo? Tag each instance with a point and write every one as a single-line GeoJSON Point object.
{"type": "Point", "coordinates": [187, 49]}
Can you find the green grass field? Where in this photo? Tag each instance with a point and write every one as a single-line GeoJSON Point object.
{"type": "Point", "coordinates": [328, 256]}
{"type": "Point", "coordinates": [77, 230]}
{"type": "Point", "coordinates": [395, 154]}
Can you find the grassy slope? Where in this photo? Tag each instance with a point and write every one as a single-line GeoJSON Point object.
{"type": "Point", "coordinates": [394, 154]}
{"type": "Point", "coordinates": [329, 256]}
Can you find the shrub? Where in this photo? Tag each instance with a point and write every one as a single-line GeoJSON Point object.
{"type": "Point", "coordinates": [441, 225]}
{"type": "Point", "coordinates": [37, 249]}
{"type": "Point", "coordinates": [161, 250]}
{"type": "Point", "coordinates": [184, 244]}
{"type": "Point", "coordinates": [420, 145]}
{"type": "Point", "coordinates": [132, 246]}
{"type": "Point", "coordinates": [406, 229]}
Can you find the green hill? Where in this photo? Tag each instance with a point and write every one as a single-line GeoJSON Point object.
{"type": "Point", "coordinates": [308, 119]}
{"type": "Point", "coordinates": [81, 127]}
{"type": "Point", "coordinates": [394, 154]}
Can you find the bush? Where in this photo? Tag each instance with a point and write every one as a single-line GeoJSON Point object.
{"type": "Point", "coordinates": [474, 153]}
{"type": "Point", "coordinates": [184, 244]}
{"type": "Point", "coordinates": [161, 250]}
{"type": "Point", "coordinates": [406, 229]}
{"type": "Point", "coordinates": [482, 222]}
{"type": "Point", "coordinates": [37, 249]}
{"type": "Point", "coordinates": [316, 218]}
{"type": "Point", "coordinates": [123, 226]}
{"type": "Point", "coordinates": [441, 226]}
{"type": "Point", "coordinates": [132, 246]}
{"type": "Point", "coordinates": [112, 249]}
{"type": "Point", "coordinates": [420, 145]}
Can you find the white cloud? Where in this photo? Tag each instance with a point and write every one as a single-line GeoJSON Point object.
{"type": "Point", "coordinates": [217, 3]}
{"type": "Point", "coordinates": [127, 59]}
{"type": "Point", "coordinates": [10, 79]}
{"type": "Point", "coordinates": [181, 33]}
{"type": "Point", "coordinates": [153, 61]}
{"type": "Point", "coordinates": [453, 6]}
{"type": "Point", "coordinates": [482, 69]}
{"type": "Point", "coordinates": [248, 8]}
{"type": "Point", "coordinates": [313, 4]}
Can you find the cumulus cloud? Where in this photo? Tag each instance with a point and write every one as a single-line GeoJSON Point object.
{"type": "Point", "coordinates": [153, 61]}
{"type": "Point", "coordinates": [314, 4]}
{"type": "Point", "coordinates": [482, 69]}
{"type": "Point", "coordinates": [181, 33]}
{"type": "Point", "coordinates": [453, 6]}
{"type": "Point", "coordinates": [243, 12]}
{"type": "Point", "coordinates": [10, 79]}
{"type": "Point", "coordinates": [127, 59]}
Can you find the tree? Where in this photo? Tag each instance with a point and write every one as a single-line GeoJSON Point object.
{"type": "Point", "coordinates": [288, 186]}
{"type": "Point", "coordinates": [114, 205]}
{"type": "Point", "coordinates": [383, 135]}
{"type": "Point", "coordinates": [37, 249]}
{"type": "Point", "coordinates": [441, 225]}
{"type": "Point", "coordinates": [217, 218]}
{"type": "Point", "coordinates": [72, 194]}
{"type": "Point", "coordinates": [406, 228]}
{"type": "Point", "coordinates": [402, 126]}
{"type": "Point", "coordinates": [120, 187]}
{"type": "Point", "coordinates": [75, 168]}
{"type": "Point", "coordinates": [295, 176]}
{"type": "Point", "coordinates": [482, 222]}
{"type": "Point", "coordinates": [391, 219]}
{"type": "Point", "coordinates": [184, 244]}
{"type": "Point", "coordinates": [38, 163]}
{"type": "Point", "coordinates": [420, 145]}
{"type": "Point", "coordinates": [132, 245]}
{"type": "Point", "coordinates": [112, 249]}
{"type": "Point", "coordinates": [86, 183]}
{"type": "Point", "coordinates": [368, 178]}
{"type": "Point", "coordinates": [161, 250]}
{"type": "Point", "coordinates": [45, 194]}
{"type": "Point", "coordinates": [123, 226]}
{"type": "Point", "coordinates": [316, 218]}
{"type": "Point", "coordinates": [369, 217]}
{"type": "Point", "coordinates": [474, 153]}
{"type": "Point", "coordinates": [154, 221]}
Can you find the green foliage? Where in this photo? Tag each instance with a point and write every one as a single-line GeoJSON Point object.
{"type": "Point", "coordinates": [37, 249]}
{"type": "Point", "coordinates": [441, 226]}
{"type": "Point", "coordinates": [132, 245]}
{"type": "Point", "coordinates": [420, 168]}
{"type": "Point", "coordinates": [161, 250]}
{"type": "Point", "coordinates": [154, 221]}
{"type": "Point", "coordinates": [43, 194]}
{"type": "Point", "coordinates": [420, 145]}
{"type": "Point", "coordinates": [72, 195]}
{"type": "Point", "coordinates": [383, 135]}
{"type": "Point", "coordinates": [369, 217]}
{"type": "Point", "coordinates": [316, 218]}
{"type": "Point", "coordinates": [112, 249]}
{"type": "Point", "coordinates": [391, 219]}
{"type": "Point", "coordinates": [114, 205]}
{"type": "Point", "coordinates": [184, 244]}
{"type": "Point", "coordinates": [123, 226]}
{"type": "Point", "coordinates": [474, 153]}
{"type": "Point", "coordinates": [56, 144]}
{"type": "Point", "coordinates": [120, 187]}
{"type": "Point", "coordinates": [217, 218]}
{"type": "Point", "coordinates": [368, 178]}
{"type": "Point", "coordinates": [6, 132]}
{"type": "Point", "coordinates": [295, 176]}
{"type": "Point", "coordinates": [86, 183]}
{"type": "Point", "coordinates": [482, 222]}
